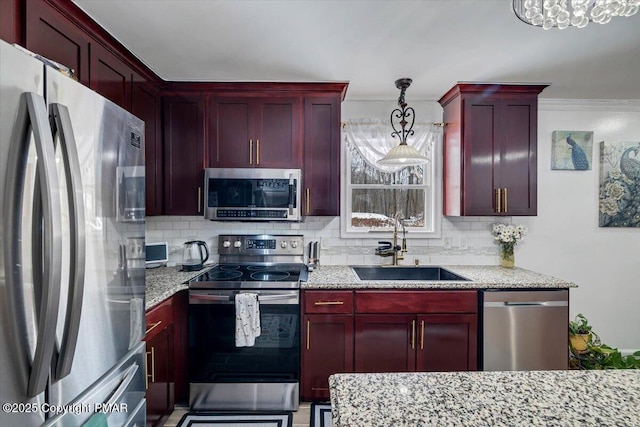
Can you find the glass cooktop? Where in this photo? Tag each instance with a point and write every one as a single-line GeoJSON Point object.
{"type": "Point", "coordinates": [252, 273]}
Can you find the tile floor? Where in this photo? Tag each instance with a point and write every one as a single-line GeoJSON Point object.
{"type": "Point", "coordinates": [300, 418]}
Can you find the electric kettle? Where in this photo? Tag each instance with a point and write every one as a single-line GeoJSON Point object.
{"type": "Point", "coordinates": [193, 257]}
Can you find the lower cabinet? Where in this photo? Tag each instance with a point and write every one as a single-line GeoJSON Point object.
{"type": "Point", "coordinates": [166, 354]}
{"type": "Point", "coordinates": [406, 343]}
{"type": "Point", "coordinates": [160, 384]}
{"type": "Point", "coordinates": [385, 331]}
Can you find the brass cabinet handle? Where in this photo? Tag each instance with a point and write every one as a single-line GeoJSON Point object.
{"type": "Point", "coordinates": [498, 200]}
{"type": "Point", "coordinates": [422, 335]}
{"type": "Point", "coordinates": [251, 151]}
{"type": "Point", "coordinates": [153, 364]}
{"type": "Point", "coordinates": [505, 200]}
{"type": "Point", "coordinates": [413, 334]}
{"type": "Point", "coordinates": [199, 198]}
{"type": "Point", "coordinates": [308, 200]}
{"type": "Point", "coordinates": [308, 334]}
{"type": "Point", "coordinates": [319, 388]}
{"type": "Point", "coordinates": [328, 303]}
{"type": "Point", "coordinates": [257, 151]}
{"type": "Point", "coordinates": [146, 370]}
{"type": "Point", "coordinates": [152, 327]}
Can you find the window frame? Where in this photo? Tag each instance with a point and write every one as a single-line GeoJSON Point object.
{"type": "Point", "coordinates": [433, 197]}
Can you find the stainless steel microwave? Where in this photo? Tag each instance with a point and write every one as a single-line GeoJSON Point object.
{"type": "Point", "coordinates": [252, 194]}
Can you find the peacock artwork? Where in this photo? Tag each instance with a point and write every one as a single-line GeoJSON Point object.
{"type": "Point", "coordinates": [620, 184]}
{"type": "Point", "coordinates": [571, 150]}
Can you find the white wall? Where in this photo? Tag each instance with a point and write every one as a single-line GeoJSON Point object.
{"type": "Point", "coordinates": [564, 240]}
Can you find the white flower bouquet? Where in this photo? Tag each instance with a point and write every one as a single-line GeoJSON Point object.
{"type": "Point", "coordinates": [507, 235]}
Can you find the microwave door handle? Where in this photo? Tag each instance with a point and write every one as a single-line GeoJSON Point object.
{"type": "Point", "coordinates": [68, 146]}
{"type": "Point", "coordinates": [291, 193]}
{"type": "Point", "coordinates": [32, 113]}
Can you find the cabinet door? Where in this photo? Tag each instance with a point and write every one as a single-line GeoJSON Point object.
{"type": "Point", "coordinates": [247, 132]}
{"type": "Point", "coordinates": [385, 343]}
{"type": "Point", "coordinates": [110, 76]}
{"type": "Point", "coordinates": [517, 172]}
{"type": "Point", "coordinates": [51, 35]}
{"type": "Point", "coordinates": [183, 154]}
{"type": "Point", "coordinates": [231, 142]}
{"type": "Point", "coordinates": [160, 377]}
{"type": "Point", "coordinates": [277, 137]}
{"type": "Point", "coordinates": [322, 156]}
{"type": "Point", "coordinates": [146, 106]}
{"type": "Point", "coordinates": [11, 21]}
{"type": "Point", "coordinates": [481, 155]}
{"type": "Point", "coordinates": [447, 342]}
{"type": "Point", "coordinates": [328, 350]}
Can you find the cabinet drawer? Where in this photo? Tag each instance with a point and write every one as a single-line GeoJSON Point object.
{"type": "Point", "coordinates": [416, 301]}
{"type": "Point", "coordinates": [159, 317]}
{"type": "Point", "coordinates": [328, 302]}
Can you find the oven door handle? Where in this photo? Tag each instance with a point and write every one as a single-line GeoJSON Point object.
{"type": "Point", "coordinates": [229, 299]}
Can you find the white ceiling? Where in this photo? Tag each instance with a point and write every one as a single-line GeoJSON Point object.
{"type": "Point", "coordinates": [373, 43]}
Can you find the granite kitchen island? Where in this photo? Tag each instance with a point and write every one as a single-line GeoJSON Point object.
{"type": "Point", "coordinates": [527, 398]}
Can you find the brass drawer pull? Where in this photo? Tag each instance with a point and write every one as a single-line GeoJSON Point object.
{"type": "Point", "coordinates": [308, 200]}
{"type": "Point", "coordinates": [505, 200]}
{"type": "Point", "coordinates": [413, 334]}
{"type": "Point", "coordinates": [328, 303]}
{"type": "Point", "coordinates": [251, 151]}
{"type": "Point", "coordinates": [498, 200]}
{"type": "Point", "coordinates": [257, 151]}
{"type": "Point", "coordinates": [308, 334]}
{"type": "Point", "coordinates": [155, 325]}
{"type": "Point", "coordinates": [422, 335]}
{"type": "Point", "coordinates": [319, 388]}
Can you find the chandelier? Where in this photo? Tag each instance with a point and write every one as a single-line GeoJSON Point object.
{"type": "Point", "coordinates": [577, 13]}
{"type": "Point", "coordinates": [403, 154]}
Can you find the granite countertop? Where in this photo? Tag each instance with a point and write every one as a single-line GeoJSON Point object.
{"type": "Point", "coordinates": [162, 282]}
{"type": "Point", "coordinates": [480, 276]}
{"type": "Point", "coordinates": [526, 398]}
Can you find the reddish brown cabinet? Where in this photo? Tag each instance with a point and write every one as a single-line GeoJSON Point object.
{"type": "Point", "coordinates": [110, 76]}
{"type": "Point", "coordinates": [183, 136]}
{"type": "Point", "coordinates": [146, 105]}
{"type": "Point", "coordinates": [263, 132]}
{"type": "Point", "coordinates": [490, 149]}
{"type": "Point", "coordinates": [385, 331]}
{"type": "Point", "coordinates": [159, 360]}
{"type": "Point", "coordinates": [327, 340]}
{"type": "Point", "coordinates": [322, 155]}
{"type": "Point", "coordinates": [401, 331]}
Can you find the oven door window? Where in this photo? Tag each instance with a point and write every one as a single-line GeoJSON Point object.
{"type": "Point", "coordinates": [213, 356]}
{"type": "Point", "coordinates": [244, 193]}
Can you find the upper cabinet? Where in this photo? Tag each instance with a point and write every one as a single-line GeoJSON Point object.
{"type": "Point", "coordinates": [490, 149]}
{"type": "Point", "coordinates": [248, 132]}
{"type": "Point", "coordinates": [322, 155]}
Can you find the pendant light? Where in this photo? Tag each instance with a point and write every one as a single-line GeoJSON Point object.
{"type": "Point", "coordinates": [403, 154]}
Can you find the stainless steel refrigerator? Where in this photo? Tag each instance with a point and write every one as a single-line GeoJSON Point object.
{"type": "Point", "coordinates": [71, 253]}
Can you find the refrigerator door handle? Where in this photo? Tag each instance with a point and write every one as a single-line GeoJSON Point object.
{"type": "Point", "coordinates": [32, 114]}
{"type": "Point", "coordinates": [61, 126]}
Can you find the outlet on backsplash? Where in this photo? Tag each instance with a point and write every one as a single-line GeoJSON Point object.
{"type": "Point", "coordinates": [447, 242]}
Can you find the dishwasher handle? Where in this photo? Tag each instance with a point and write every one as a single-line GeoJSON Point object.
{"type": "Point", "coordinates": [527, 304]}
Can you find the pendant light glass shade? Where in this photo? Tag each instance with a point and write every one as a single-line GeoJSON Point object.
{"type": "Point", "coordinates": [403, 155]}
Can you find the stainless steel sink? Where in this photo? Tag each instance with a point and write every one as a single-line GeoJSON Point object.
{"type": "Point", "coordinates": [426, 273]}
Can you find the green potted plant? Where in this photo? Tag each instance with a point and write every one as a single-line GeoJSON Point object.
{"type": "Point", "coordinates": [579, 334]}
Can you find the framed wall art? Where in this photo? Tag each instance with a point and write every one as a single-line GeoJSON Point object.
{"type": "Point", "coordinates": [619, 184]}
{"type": "Point", "coordinates": [571, 150]}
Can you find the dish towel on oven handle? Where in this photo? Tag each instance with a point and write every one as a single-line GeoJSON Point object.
{"type": "Point", "coordinates": [247, 319]}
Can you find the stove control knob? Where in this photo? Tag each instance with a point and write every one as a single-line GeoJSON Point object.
{"type": "Point", "coordinates": [237, 244]}
{"type": "Point", "coordinates": [283, 245]}
{"type": "Point", "coordinates": [226, 244]}
{"type": "Point", "coordinates": [294, 244]}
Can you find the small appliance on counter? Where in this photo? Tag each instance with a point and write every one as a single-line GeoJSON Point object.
{"type": "Point", "coordinates": [193, 257]}
{"type": "Point", "coordinates": [314, 255]}
{"type": "Point", "coordinates": [156, 254]}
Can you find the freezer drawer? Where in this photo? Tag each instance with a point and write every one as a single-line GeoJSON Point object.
{"type": "Point", "coordinates": [525, 330]}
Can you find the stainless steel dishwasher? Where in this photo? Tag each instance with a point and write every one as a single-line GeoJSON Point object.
{"type": "Point", "coordinates": [525, 329]}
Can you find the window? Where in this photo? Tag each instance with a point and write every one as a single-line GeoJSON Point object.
{"type": "Point", "coordinates": [373, 196]}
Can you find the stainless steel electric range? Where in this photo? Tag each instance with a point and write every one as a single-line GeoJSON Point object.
{"type": "Point", "coordinates": [264, 376]}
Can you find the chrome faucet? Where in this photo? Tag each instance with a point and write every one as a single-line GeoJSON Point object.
{"type": "Point", "coordinates": [392, 249]}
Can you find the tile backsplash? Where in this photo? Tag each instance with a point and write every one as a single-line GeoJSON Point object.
{"type": "Point", "coordinates": [464, 240]}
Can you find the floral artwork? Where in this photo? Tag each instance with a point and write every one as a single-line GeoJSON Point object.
{"type": "Point", "coordinates": [620, 184]}
{"type": "Point", "coordinates": [571, 150]}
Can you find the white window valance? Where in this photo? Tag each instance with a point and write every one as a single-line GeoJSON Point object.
{"type": "Point", "coordinates": [372, 139]}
